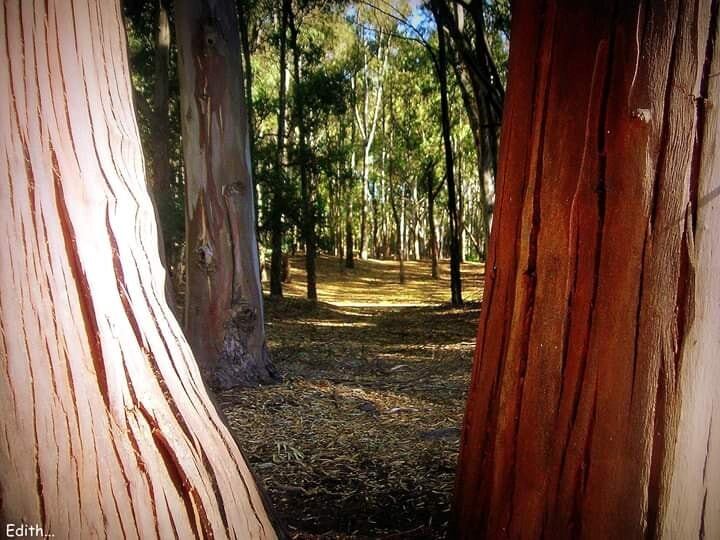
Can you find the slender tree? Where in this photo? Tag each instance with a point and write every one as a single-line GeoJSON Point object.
{"type": "Point", "coordinates": [453, 217]}
{"type": "Point", "coordinates": [276, 212]}
{"type": "Point", "coordinates": [367, 114]}
{"type": "Point", "coordinates": [161, 177]}
{"type": "Point", "coordinates": [245, 10]}
{"type": "Point", "coordinates": [349, 239]}
{"type": "Point", "coordinates": [107, 429]}
{"type": "Point", "coordinates": [303, 156]}
{"type": "Point", "coordinates": [595, 396]}
{"type": "Point", "coordinates": [223, 301]}
{"type": "Point", "coordinates": [432, 193]}
{"type": "Point", "coordinates": [480, 87]}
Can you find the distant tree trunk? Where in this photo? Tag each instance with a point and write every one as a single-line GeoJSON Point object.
{"type": "Point", "coordinates": [223, 300]}
{"type": "Point", "coordinates": [161, 177]}
{"type": "Point", "coordinates": [349, 247]}
{"type": "Point", "coordinates": [375, 220]}
{"type": "Point", "coordinates": [453, 221]}
{"type": "Point", "coordinates": [399, 218]}
{"type": "Point", "coordinates": [107, 428]}
{"type": "Point", "coordinates": [364, 204]}
{"type": "Point", "coordinates": [243, 8]}
{"type": "Point", "coordinates": [461, 207]}
{"type": "Point", "coordinates": [276, 212]}
{"type": "Point", "coordinates": [367, 124]}
{"type": "Point", "coordinates": [480, 87]}
{"type": "Point", "coordinates": [432, 192]}
{"type": "Point", "coordinates": [595, 396]}
{"type": "Point", "coordinates": [306, 192]}
{"type": "Point", "coordinates": [416, 222]}
{"type": "Point", "coordinates": [485, 152]}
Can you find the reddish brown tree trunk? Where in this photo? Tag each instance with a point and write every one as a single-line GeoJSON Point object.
{"type": "Point", "coordinates": [223, 301]}
{"type": "Point", "coordinates": [107, 430]}
{"type": "Point", "coordinates": [595, 396]}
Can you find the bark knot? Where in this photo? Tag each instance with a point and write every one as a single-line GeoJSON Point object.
{"type": "Point", "coordinates": [235, 188]}
{"type": "Point", "coordinates": [644, 115]}
{"type": "Point", "coordinates": [242, 317]}
{"type": "Point", "coordinates": [205, 258]}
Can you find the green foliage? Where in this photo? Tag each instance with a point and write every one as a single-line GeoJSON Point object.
{"type": "Point", "coordinates": [497, 22]}
{"type": "Point", "coordinates": [340, 46]}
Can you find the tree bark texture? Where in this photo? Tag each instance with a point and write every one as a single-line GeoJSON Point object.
{"type": "Point", "coordinates": [594, 404]}
{"type": "Point", "coordinates": [223, 301]}
{"type": "Point", "coordinates": [107, 430]}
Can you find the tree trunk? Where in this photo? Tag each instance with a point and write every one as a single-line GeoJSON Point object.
{"type": "Point", "coordinates": [107, 429]}
{"type": "Point", "coordinates": [364, 203]}
{"type": "Point", "coordinates": [461, 207]}
{"type": "Point", "coordinates": [453, 221]}
{"type": "Point", "coordinates": [160, 175]}
{"type": "Point", "coordinates": [349, 248]}
{"type": "Point", "coordinates": [595, 396]}
{"type": "Point", "coordinates": [481, 91]}
{"type": "Point", "coordinates": [367, 124]}
{"type": "Point", "coordinates": [160, 159]}
{"type": "Point", "coordinates": [433, 248]}
{"type": "Point", "coordinates": [244, 14]}
{"type": "Point", "coordinates": [483, 149]}
{"type": "Point", "coordinates": [223, 299]}
{"type": "Point", "coordinates": [276, 212]}
{"type": "Point", "coordinates": [416, 228]}
{"type": "Point", "coordinates": [306, 192]}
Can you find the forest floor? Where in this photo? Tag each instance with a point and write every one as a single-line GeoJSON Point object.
{"type": "Point", "coordinates": [360, 440]}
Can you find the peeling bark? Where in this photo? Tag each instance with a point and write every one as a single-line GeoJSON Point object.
{"type": "Point", "coordinates": [595, 394]}
{"type": "Point", "coordinates": [224, 320]}
{"type": "Point", "coordinates": [107, 430]}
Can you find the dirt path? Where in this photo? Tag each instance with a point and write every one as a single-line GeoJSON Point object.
{"type": "Point", "coordinates": [360, 440]}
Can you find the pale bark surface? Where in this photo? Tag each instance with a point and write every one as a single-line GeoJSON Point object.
{"type": "Point", "coordinates": [224, 320]}
{"type": "Point", "coordinates": [595, 398]}
{"type": "Point", "coordinates": [106, 430]}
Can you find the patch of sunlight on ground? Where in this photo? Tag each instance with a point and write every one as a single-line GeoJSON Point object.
{"type": "Point", "coordinates": [376, 283]}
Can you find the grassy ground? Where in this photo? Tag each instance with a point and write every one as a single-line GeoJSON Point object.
{"type": "Point", "coordinates": [361, 438]}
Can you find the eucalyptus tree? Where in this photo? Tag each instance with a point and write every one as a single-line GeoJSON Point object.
{"type": "Point", "coordinates": [107, 427]}
{"type": "Point", "coordinates": [374, 42]}
{"type": "Point", "coordinates": [595, 395]}
{"type": "Point", "coordinates": [453, 219]}
{"type": "Point", "coordinates": [223, 319]}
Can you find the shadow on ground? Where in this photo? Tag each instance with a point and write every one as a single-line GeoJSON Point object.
{"type": "Point", "coordinates": [361, 438]}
